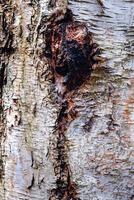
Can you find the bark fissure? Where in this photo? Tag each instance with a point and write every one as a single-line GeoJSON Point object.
{"type": "Point", "coordinates": [6, 49]}
{"type": "Point", "coordinates": [65, 187]}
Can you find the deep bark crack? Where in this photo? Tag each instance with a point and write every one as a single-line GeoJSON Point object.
{"type": "Point", "coordinates": [6, 49]}
{"type": "Point", "coordinates": [65, 189]}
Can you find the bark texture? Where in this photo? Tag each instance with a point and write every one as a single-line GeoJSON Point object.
{"type": "Point", "coordinates": [99, 140]}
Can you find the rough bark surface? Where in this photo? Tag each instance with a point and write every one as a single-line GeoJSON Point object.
{"type": "Point", "coordinates": [100, 139]}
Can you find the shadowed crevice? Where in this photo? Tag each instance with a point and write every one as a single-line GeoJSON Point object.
{"type": "Point", "coordinates": [6, 49]}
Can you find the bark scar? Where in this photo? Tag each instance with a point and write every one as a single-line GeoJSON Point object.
{"type": "Point", "coordinates": [71, 54]}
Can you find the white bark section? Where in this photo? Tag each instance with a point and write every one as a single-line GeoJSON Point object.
{"type": "Point", "coordinates": [102, 156]}
{"type": "Point", "coordinates": [101, 138]}
{"type": "Point", "coordinates": [29, 116]}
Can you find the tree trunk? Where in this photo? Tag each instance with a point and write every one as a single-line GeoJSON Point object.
{"type": "Point", "coordinates": [96, 146]}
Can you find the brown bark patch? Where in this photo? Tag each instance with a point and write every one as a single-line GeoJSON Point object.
{"type": "Point", "coordinates": [71, 52]}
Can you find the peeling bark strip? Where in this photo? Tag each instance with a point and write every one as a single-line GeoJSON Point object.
{"type": "Point", "coordinates": [71, 53]}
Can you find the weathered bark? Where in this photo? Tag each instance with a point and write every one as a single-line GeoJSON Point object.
{"type": "Point", "coordinates": [98, 145]}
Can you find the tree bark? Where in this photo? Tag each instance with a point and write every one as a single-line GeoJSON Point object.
{"type": "Point", "coordinates": [99, 141]}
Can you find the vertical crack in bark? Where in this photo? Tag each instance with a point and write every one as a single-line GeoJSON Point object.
{"type": "Point", "coordinates": [65, 187]}
{"type": "Point", "coordinates": [72, 54]}
{"type": "Point", "coordinates": [1, 118]}
{"type": "Point", "coordinates": [6, 48]}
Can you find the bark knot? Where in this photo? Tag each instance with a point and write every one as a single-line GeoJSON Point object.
{"type": "Point", "coordinates": [70, 50]}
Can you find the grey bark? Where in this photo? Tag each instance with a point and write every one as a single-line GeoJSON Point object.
{"type": "Point", "coordinates": [101, 138]}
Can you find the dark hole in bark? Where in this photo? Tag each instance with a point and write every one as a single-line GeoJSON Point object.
{"type": "Point", "coordinates": [71, 51]}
